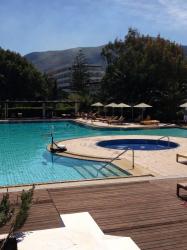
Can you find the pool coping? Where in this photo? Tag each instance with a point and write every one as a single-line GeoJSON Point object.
{"type": "Point", "coordinates": [78, 146]}
{"type": "Point", "coordinates": [90, 123]}
{"type": "Point", "coordinates": [134, 169]}
{"type": "Point", "coordinates": [76, 155]}
{"type": "Point", "coordinates": [19, 120]}
{"type": "Point", "coordinates": [88, 182]}
{"type": "Point", "coordinates": [125, 126]}
{"type": "Point", "coordinates": [168, 144]}
{"type": "Point", "coordinates": [73, 183]}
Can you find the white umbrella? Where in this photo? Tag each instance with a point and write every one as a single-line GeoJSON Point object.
{"type": "Point", "coordinates": [112, 105]}
{"type": "Point", "coordinates": [142, 105]}
{"type": "Point", "coordinates": [184, 105]}
{"type": "Point", "coordinates": [123, 105]}
{"type": "Point", "coordinates": [97, 104]}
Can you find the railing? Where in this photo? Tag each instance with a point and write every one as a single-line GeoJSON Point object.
{"type": "Point", "coordinates": [115, 158]}
{"type": "Point", "coordinates": [57, 147]}
{"type": "Point", "coordinates": [163, 138]}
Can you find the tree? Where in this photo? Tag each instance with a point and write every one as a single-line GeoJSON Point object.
{"type": "Point", "coordinates": [80, 74]}
{"type": "Point", "coordinates": [83, 99]}
{"type": "Point", "coordinates": [19, 80]}
{"type": "Point", "coordinates": [142, 68]}
{"type": "Point", "coordinates": [51, 89]}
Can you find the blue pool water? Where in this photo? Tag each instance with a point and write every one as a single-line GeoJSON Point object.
{"type": "Point", "coordinates": [138, 144]}
{"type": "Point", "coordinates": [24, 158]}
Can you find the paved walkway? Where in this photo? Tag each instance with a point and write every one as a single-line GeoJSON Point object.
{"type": "Point", "coordinates": [124, 125]}
{"type": "Point", "coordinates": [157, 162]}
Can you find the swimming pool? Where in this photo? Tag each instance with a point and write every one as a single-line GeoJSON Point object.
{"type": "Point", "coordinates": [24, 158]}
{"type": "Point", "coordinates": [138, 144]}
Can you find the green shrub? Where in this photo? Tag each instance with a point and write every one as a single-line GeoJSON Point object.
{"type": "Point", "coordinates": [5, 209]}
{"type": "Point", "coordinates": [26, 200]}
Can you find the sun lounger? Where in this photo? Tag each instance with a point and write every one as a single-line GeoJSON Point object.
{"type": "Point", "coordinates": [82, 222]}
{"type": "Point", "coordinates": [183, 155]}
{"type": "Point", "coordinates": [58, 148]}
{"type": "Point", "coordinates": [117, 121]}
{"type": "Point", "coordinates": [102, 118]}
{"type": "Point", "coordinates": [120, 121]}
{"type": "Point", "coordinates": [107, 119]}
{"type": "Point", "coordinates": [92, 116]}
{"type": "Point", "coordinates": [179, 186]}
{"type": "Point", "coordinates": [150, 122]}
{"type": "Point", "coordinates": [20, 115]}
{"type": "Point", "coordinates": [113, 119]}
{"type": "Point", "coordinates": [112, 242]}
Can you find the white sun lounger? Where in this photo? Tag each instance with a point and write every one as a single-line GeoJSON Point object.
{"type": "Point", "coordinates": [49, 239]}
{"type": "Point", "coordinates": [84, 224]}
{"type": "Point", "coordinates": [80, 233]}
{"type": "Point", "coordinates": [121, 243]}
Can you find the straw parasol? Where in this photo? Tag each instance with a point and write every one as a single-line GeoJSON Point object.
{"type": "Point", "coordinates": [142, 105]}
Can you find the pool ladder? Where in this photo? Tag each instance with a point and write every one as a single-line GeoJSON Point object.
{"type": "Point", "coordinates": [115, 158]}
{"type": "Point", "coordinates": [163, 138]}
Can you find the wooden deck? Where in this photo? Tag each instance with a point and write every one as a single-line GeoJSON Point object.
{"type": "Point", "coordinates": [149, 212]}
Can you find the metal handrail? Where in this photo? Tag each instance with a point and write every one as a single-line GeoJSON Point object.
{"type": "Point", "coordinates": [165, 136]}
{"type": "Point", "coordinates": [115, 158]}
{"type": "Point", "coordinates": [54, 143]}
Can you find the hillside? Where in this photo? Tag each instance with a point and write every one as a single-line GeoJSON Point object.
{"type": "Point", "coordinates": [52, 60]}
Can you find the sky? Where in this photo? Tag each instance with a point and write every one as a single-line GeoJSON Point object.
{"type": "Point", "coordinates": [39, 25]}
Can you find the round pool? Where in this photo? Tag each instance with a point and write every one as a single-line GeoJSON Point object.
{"type": "Point", "coordinates": [138, 144]}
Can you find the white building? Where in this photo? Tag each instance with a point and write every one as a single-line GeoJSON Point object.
{"type": "Point", "coordinates": [64, 77]}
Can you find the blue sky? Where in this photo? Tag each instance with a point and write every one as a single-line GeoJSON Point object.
{"type": "Point", "coordinates": [39, 25]}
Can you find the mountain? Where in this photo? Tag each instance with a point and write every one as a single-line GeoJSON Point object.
{"type": "Point", "coordinates": [53, 60]}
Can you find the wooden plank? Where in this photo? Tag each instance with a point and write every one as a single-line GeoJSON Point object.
{"type": "Point", "coordinates": [42, 214]}
{"type": "Point", "coordinates": [133, 207]}
{"type": "Point", "coordinates": [148, 212]}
